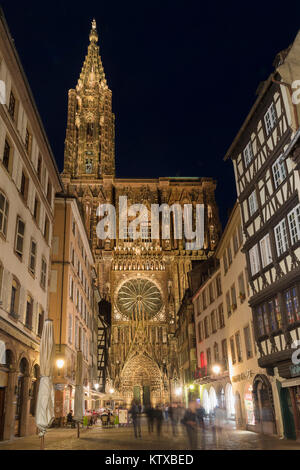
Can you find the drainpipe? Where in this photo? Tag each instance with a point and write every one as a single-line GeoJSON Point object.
{"type": "Point", "coordinates": [293, 104]}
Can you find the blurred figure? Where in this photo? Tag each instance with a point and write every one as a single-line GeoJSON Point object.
{"type": "Point", "coordinates": [159, 419]}
{"type": "Point", "coordinates": [150, 417]}
{"type": "Point", "coordinates": [174, 417]}
{"type": "Point", "coordinates": [135, 414]}
{"type": "Point", "coordinates": [200, 415]}
{"type": "Point", "coordinates": [190, 422]}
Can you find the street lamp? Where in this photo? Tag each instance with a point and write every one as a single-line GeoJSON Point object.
{"type": "Point", "coordinates": [178, 391]}
{"type": "Point", "coordinates": [96, 386]}
{"type": "Point", "coordinates": [60, 363]}
{"type": "Point", "coordinates": [111, 391]}
{"type": "Point", "coordinates": [216, 369]}
{"type": "Point", "coordinates": [191, 387]}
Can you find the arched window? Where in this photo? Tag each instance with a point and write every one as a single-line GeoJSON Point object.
{"type": "Point", "coordinates": [4, 207]}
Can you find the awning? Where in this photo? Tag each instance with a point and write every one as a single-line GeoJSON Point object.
{"type": "Point", "coordinates": [291, 382]}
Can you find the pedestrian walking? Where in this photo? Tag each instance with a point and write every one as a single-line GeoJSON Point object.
{"type": "Point", "coordinates": [190, 422]}
{"type": "Point", "coordinates": [135, 415]}
{"type": "Point", "coordinates": [173, 415]}
{"type": "Point", "coordinates": [150, 417]}
{"type": "Point", "coordinates": [159, 419]}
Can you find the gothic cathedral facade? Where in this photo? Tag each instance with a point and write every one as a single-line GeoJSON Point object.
{"type": "Point", "coordinates": [143, 279]}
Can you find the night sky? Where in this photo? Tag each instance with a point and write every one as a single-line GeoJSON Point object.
{"type": "Point", "coordinates": [183, 75]}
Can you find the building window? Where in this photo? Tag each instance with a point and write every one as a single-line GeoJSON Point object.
{"type": "Point", "coordinates": [263, 320]}
{"type": "Point", "coordinates": [40, 323]}
{"type": "Point", "coordinates": [43, 273]}
{"type": "Point", "coordinates": [206, 327]}
{"type": "Point", "coordinates": [228, 304]}
{"type": "Point", "coordinates": [248, 342]}
{"type": "Point", "coordinates": [233, 297]}
{"type": "Point", "coordinates": [224, 353]}
{"type": "Point", "coordinates": [39, 168]}
{"type": "Point", "coordinates": [253, 206]}
{"type": "Point", "coordinates": [24, 186]}
{"type": "Point", "coordinates": [71, 287]}
{"type": "Point", "coordinates": [225, 263]}
{"type": "Point", "coordinates": [208, 357]}
{"type": "Point", "coordinates": [76, 335]}
{"type": "Point", "coordinates": [211, 293]}
{"type": "Point", "coordinates": [248, 154]}
{"type": "Point", "coordinates": [6, 157]}
{"type": "Point", "coordinates": [270, 118]}
{"type": "Point", "coordinates": [4, 207]}
{"type": "Point", "coordinates": [20, 232]}
{"type": "Point", "coordinates": [32, 257]}
{"type": "Point", "coordinates": [280, 231]}
{"type": "Point", "coordinates": [254, 260]}
{"type": "Point", "coordinates": [29, 310]}
{"type": "Point", "coordinates": [12, 105]}
{"type": "Point", "coordinates": [46, 229]}
{"type": "Point", "coordinates": [213, 321]}
{"type": "Point", "coordinates": [275, 315]}
{"type": "Point", "coordinates": [219, 285]}
{"type": "Point", "coordinates": [204, 299]}
{"type": "Point", "coordinates": [221, 316]}
{"type": "Point", "coordinates": [199, 332]}
{"type": "Point", "coordinates": [238, 347]}
{"type": "Point", "coordinates": [28, 142]}
{"type": "Point", "coordinates": [70, 329]}
{"type": "Point", "coordinates": [279, 171]}
{"type": "Point", "coordinates": [36, 210]}
{"type": "Point", "coordinates": [216, 353]}
{"type": "Point", "coordinates": [292, 305]}
{"type": "Point", "coordinates": [232, 348]}
{"type": "Point", "coordinates": [265, 251]}
{"type": "Point", "coordinates": [1, 279]}
{"type": "Point", "coordinates": [14, 298]}
{"type": "Point", "coordinates": [242, 294]}
{"type": "Point", "coordinates": [294, 224]}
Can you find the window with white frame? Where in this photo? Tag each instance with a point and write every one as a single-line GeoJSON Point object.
{"type": "Point", "coordinates": [265, 250]}
{"type": "Point", "coordinates": [270, 118]}
{"type": "Point", "coordinates": [248, 154]}
{"type": "Point", "coordinates": [254, 260]}
{"type": "Point", "coordinates": [252, 203]}
{"type": "Point", "coordinates": [32, 257]}
{"type": "Point", "coordinates": [279, 171]}
{"type": "Point", "coordinates": [294, 224]}
{"type": "Point", "coordinates": [20, 231]}
{"type": "Point", "coordinates": [281, 237]}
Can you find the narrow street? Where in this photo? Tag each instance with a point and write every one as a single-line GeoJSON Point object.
{"type": "Point", "coordinates": [98, 438]}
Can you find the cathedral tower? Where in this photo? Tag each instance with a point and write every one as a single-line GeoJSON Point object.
{"type": "Point", "coordinates": [89, 144]}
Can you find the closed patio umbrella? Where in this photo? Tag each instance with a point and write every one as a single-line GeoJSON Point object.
{"type": "Point", "coordinates": [78, 404]}
{"type": "Point", "coordinates": [45, 400]}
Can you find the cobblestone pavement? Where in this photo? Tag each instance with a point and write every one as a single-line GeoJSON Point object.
{"type": "Point", "coordinates": [122, 438]}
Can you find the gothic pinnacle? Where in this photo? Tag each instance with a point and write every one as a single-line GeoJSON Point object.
{"type": "Point", "coordinates": [93, 33]}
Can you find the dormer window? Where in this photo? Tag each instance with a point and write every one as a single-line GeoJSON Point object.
{"type": "Point", "coordinates": [248, 154]}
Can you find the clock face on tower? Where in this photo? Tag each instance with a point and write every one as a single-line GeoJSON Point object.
{"type": "Point", "coordinates": [88, 165]}
{"type": "Point", "coordinates": [137, 296]}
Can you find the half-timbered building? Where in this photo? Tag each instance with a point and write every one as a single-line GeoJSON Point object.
{"type": "Point", "coordinates": [264, 155]}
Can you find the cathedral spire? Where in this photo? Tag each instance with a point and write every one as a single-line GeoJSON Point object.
{"type": "Point", "coordinates": [89, 144]}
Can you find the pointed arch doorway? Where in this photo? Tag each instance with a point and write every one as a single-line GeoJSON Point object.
{"type": "Point", "coordinates": [141, 380]}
